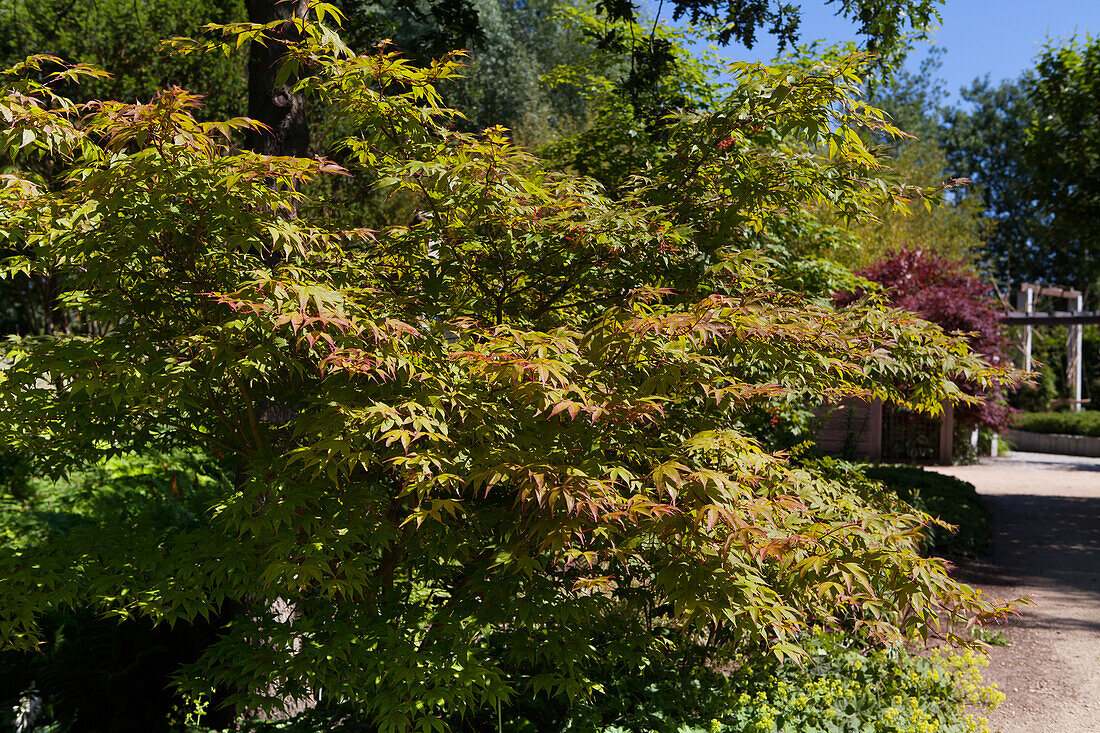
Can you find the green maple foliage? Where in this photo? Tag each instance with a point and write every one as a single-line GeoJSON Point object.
{"type": "Point", "coordinates": [473, 457]}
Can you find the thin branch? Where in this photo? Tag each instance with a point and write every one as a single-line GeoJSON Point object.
{"type": "Point", "coordinates": [653, 31]}
{"type": "Point", "coordinates": [250, 408]}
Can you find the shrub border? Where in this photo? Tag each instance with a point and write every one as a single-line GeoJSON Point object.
{"type": "Point", "coordinates": [1071, 445]}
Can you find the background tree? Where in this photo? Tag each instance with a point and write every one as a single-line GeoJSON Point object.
{"type": "Point", "coordinates": [1029, 143]}
{"type": "Point", "coordinates": [947, 223]}
{"type": "Point", "coordinates": [273, 99]}
{"type": "Point", "coordinates": [628, 133]}
{"type": "Point", "coordinates": [937, 216]}
{"type": "Point", "coordinates": [984, 143]}
{"type": "Point", "coordinates": [1030, 146]}
{"type": "Point", "coordinates": [511, 45]}
{"type": "Point", "coordinates": [948, 219]}
{"type": "Point", "coordinates": [1062, 152]}
{"type": "Point", "coordinates": [885, 26]}
{"type": "Point", "coordinates": [125, 35]}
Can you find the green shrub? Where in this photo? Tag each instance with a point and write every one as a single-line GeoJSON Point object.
{"type": "Point", "coordinates": [1064, 423]}
{"type": "Point", "coordinates": [952, 500]}
{"type": "Point", "coordinates": [161, 489]}
{"type": "Point", "coordinates": [1036, 396]}
{"type": "Point", "coordinates": [460, 450]}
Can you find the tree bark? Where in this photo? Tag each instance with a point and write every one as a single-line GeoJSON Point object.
{"type": "Point", "coordinates": [275, 105]}
{"type": "Point", "coordinates": [284, 113]}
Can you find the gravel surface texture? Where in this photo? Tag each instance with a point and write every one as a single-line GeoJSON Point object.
{"type": "Point", "coordinates": [1046, 545]}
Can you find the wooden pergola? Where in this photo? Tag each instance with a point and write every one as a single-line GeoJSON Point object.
{"type": "Point", "coordinates": [854, 428]}
{"type": "Point", "coordinates": [1073, 318]}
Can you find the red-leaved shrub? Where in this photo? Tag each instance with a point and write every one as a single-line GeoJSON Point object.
{"type": "Point", "coordinates": [947, 293]}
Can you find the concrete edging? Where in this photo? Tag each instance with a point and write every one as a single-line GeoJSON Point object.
{"type": "Point", "coordinates": [1068, 445]}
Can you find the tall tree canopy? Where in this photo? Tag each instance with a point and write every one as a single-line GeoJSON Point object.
{"type": "Point", "coordinates": [1062, 153]}
{"type": "Point", "coordinates": [984, 143]}
{"type": "Point", "coordinates": [887, 28]}
{"type": "Point", "coordinates": [1032, 148]}
{"type": "Point", "coordinates": [511, 44]}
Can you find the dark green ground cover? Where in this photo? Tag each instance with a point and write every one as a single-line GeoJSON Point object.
{"type": "Point", "coordinates": [952, 500]}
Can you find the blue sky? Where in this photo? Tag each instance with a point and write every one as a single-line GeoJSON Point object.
{"type": "Point", "coordinates": [995, 37]}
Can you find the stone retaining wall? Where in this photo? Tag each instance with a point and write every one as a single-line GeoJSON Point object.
{"type": "Point", "coordinates": [1069, 445]}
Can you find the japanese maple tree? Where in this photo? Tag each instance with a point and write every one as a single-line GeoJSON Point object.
{"type": "Point", "coordinates": [476, 454]}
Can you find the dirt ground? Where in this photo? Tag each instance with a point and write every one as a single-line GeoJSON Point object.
{"type": "Point", "coordinates": [1046, 545]}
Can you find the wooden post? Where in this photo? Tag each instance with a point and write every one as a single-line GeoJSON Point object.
{"type": "Point", "coordinates": [1025, 303]}
{"type": "Point", "coordinates": [1073, 351]}
{"type": "Point", "coordinates": [947, 434]}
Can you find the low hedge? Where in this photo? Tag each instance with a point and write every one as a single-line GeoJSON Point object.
{"type": "Point", "coordinates": [950, 499]}
{"type": "Point", "coordinates": [1063, 423]}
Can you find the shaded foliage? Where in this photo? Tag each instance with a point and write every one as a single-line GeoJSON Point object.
{"type": "Point", "coordinates": [96, 674]}
{"type": "Point", "coordinates": [90, 672]}
{"type": "Point", "coordinates": [511, 46]}
{"type": "Point", "coordinates": [124, 35]}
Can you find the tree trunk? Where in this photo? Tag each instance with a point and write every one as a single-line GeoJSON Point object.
{"type": "Point", "coordinates": [275, 105]}
{"type": "Point", "coordinates": [284, 112]}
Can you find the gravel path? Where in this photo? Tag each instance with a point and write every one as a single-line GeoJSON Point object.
{"type": "Point", "coordinates": [1046, 545]}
